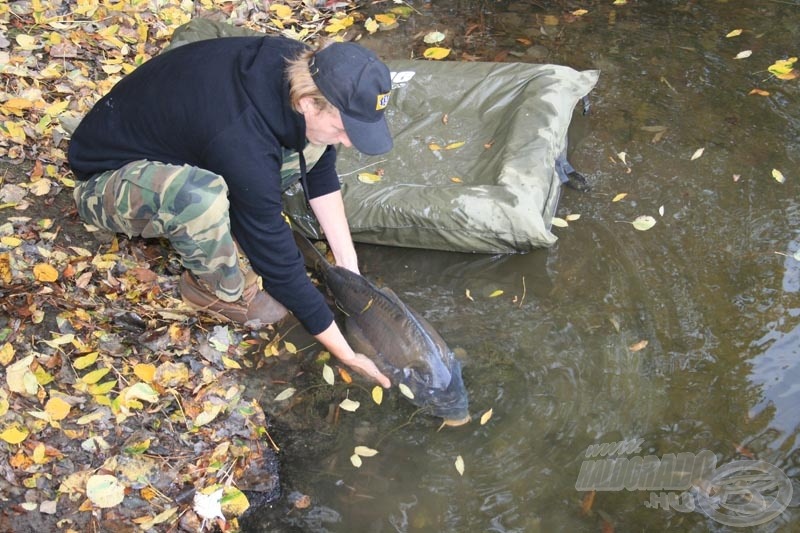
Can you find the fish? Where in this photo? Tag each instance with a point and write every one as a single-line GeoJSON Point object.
{"type": "Point", "coordinates": [402, 344]}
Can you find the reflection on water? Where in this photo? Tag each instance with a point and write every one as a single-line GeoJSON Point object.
{"type": "Point", "coordinates": [555, 356]}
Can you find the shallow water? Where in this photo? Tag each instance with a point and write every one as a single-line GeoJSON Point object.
{"type": "Point", "coordinates": [712, 288]}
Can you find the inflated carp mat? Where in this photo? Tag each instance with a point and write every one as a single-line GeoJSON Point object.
{"type": "Point", "coordinates": [473, 168]}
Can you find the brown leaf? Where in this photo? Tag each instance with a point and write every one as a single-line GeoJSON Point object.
{"type": "Point", "coordinates": [588, 501]}
{"type": "Point", "coordinates": [641, 345]}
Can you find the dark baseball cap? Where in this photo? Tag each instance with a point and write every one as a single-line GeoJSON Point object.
{"type": "Point", "coordinates": [357, 83]}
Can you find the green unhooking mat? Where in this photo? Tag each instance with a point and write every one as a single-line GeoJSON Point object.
{"type": "Point", "coordinates": [473, 167]}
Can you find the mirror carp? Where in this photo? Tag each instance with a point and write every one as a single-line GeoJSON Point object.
{"type": "Point", "coordinates": [403, 345]}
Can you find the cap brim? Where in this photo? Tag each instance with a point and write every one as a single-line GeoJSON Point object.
{"type": "Point", "coordinates": [371, 138]}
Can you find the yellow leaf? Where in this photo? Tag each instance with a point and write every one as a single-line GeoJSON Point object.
{"type": "Point", "coordinates": [95, 375]}
{"type": "Point", "coordinates": [572, 217]}
{"type": "Point", "coordinates": [171, 374]}
{"type": "Point", "coordinates": [435, 147]}
{"type": "Point", "coordinates": [377, 394]}
{"type": "Point", "coordinates": [579, 12]}
{"type": "Point", "coordinates": [469, 295]}
{"type": "Point", "coordinates": [227, 362]}
{"type": "Point", "coordinates": [15, 131]}
{"type": "Point", "coordinates": [11, 242]}
{"type": "Point", "coordinates": [45, 273]}
{"type": "Point", "coordinates": [436, 52]}
{"type": "Point", "coordinates": [386, 18]}
{"type": "Point", "coordinates": [234, 502]}
{"type": "Point", "coordinates": [345, 375]}
{"type": "Point", "coordinates": [496, 293]}
{"type": "Point", "coordinates": [782, 66]}
{"type": "Point", "coordinates": [744, 54]}
{"type": "Point", "coordinates": [778, 175]}
{"type": "Point", "coordinates": [281, 11]}
{"type": "Point", "coordinates": [85, 361]}
{"type": "Point", "coordinates": [39, 454]}
{"type": "Point", "coordinates": [366, 177]}
{"type": "Point", "coordinates": [7, 352]}
{"type": "Point", "coordinates": [485, 417]}
{"type": "Point", "coordinates": [620, 2]}
{"type": "Point", "coordinates": [144, 371]}
{"type": "Point", "coordinates": [759, 92]}
{"type": "Point", "coordinates": [734, 33]}
{"type": "Point", "coordinates": [371, 25]}
{"type": "Point", "coordinates": [290, 347]}
{"type": "Point", "coordinates": [619, 197]}
{"type": "Point", "coordinates": [209, 413]}
{"type": "Point", "coordinates": [550, 20]}
{"type": "Point", "coordinates": [559, 222]}
{"type": "Point", "coordinates": [455, 145]}
{"type": "Point", "coordinates": [697, 153]}
{"type": "Point", "coordinates": [19, 377]}
{"type": "Point", "coordinates": [14, 434]}
{"type": "Point", "coordinates": [456, 179]}
{"type": "Point", "coordinates": [102, 388]}
{"type": "Point", "coordinates": [57, 408]}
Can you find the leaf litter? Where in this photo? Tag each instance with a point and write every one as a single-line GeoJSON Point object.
{"type": "Point", "coordinates": [96, 421]}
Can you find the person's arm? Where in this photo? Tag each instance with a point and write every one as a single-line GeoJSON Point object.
{"type": "Point", "coordinates": [329, 210]}
{"type": "Point", "coordinates": [335, 342]}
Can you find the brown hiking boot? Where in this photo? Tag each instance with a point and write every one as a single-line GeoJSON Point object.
{"type": "Point", "coordinates": [254, 306]}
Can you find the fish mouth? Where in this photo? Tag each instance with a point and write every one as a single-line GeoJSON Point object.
{"type": "Point", "coordinates": [453, 403]}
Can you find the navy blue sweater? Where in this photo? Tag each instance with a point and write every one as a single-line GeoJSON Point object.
{"type": "Point", "coordinates": [222, 105]}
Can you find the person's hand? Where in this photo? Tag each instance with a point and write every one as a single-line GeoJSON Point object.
{"type": "Point", "coordinates": [364, 366]}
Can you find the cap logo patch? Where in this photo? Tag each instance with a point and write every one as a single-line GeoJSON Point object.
{"type": "Point", "coordinates": [383, 101]}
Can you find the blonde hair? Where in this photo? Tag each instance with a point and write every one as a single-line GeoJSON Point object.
{"type": "Point", "coordinates": [301, 83]}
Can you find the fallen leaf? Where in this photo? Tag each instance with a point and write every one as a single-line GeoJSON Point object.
{"type": "Point", "coordinates": [619, 197]}
{"type": "Point", "coordinates": [734, 33]}
{"type": "Point", "coordinates": [14, 434]}
{"type": "Point", "coordinates": [661, 211]}
{"type": "Point", "coordinates": [377, 394]}
{"type": "Point", "coordinates": [405, 391]}
{"type": "Point", "coordinates": [45, 273]}
{"type": "Point", "coordinates": [345, 375]}
{"type": "Point", "coordinates": [644, 222]}
{"type": "Point", "coordinates": [697, 153]}
{"type": "Point", "coordinates": [436, 52]}
{"type": "Point", "coordinates": [485, 417]}
{"type": "Point", "coordinates": [455, 145]}
{"type": "Point", "coordinates": [234, 501]}
{"type": "Point", "coordinates": [587, 502]}
{"type": "Point", "coordinates": [623, 156]}
{"type": "Point", "coordinates": [57, 408]}
{"type": "Point", "coordinates": [364, 451]}
{"type": "Point", "coordinates": [285, 394]}
{"type": "Point", "coordinates": [469, 295]}
{"type": "Point", "coordinates": [104, 491]}
{"type": "Point", "coordinates": [355, 459]}
{"type": "Point", "coordinates": [459, 464]}
{"type": "Point", "coordinates": [638, 346]}
{"type": "Point", "coordinates": [572, 217]}
{"type": "Point", "coordinates": [744, 54]}
{"type": "Point", "coordinates": [496, 293]}
{"type": "Point", "coordinates": [208, 506]}
{"type": "Point", "coordinates": [559, 222]}
{"type": "Point", "coordinates": [434, 147]}
{"type": "Point", "coordinates": [778, 175]}
{"type": "Point", "coordinates": [759, 92]}
{"type": "Point", "coordinates": [349, 405]}
{"type": "Point", "coordinates": [434, 37]}
{"type": "Point", "coordinates": [327, 374]}
{"type": "Point", "coordinates": [366, 177]}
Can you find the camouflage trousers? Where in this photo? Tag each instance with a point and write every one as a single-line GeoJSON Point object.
{"type": "Point", "coordinates": [186, 205]}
